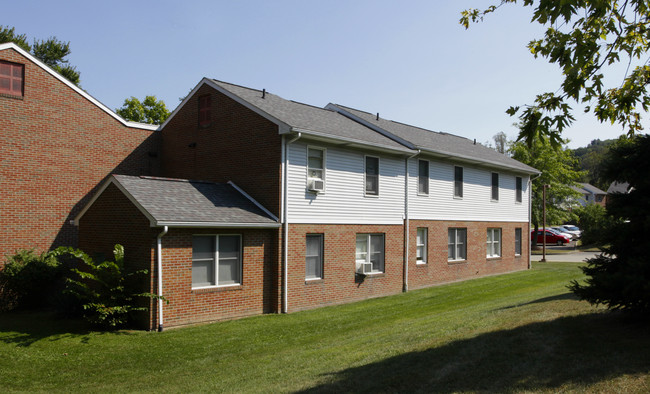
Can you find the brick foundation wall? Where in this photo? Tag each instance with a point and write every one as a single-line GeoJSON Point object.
{"type": "Point", "coordinates": [439, 270]}
{"type": "Point", "coordinates": [238, 145]}
{"type": "Point", "coordinates": [56, 147]}
{"type": "Point", "coordinates": [339, 283]}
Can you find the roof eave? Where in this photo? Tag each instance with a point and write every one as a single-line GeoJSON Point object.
{"type": "Point", "coordinates": [351, 141]}
{"type": "Point", "coordinates": [171, 223]}
{"type": "Point", "coordinates": [473, 160]}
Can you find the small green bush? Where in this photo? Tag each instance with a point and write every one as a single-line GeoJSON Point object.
{"type": "Point", "coordinates": [28, 280]}
{"type": "Point", "coordinates": [594, 222]}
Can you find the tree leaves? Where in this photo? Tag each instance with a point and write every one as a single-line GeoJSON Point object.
{"type": "Point", "coordinates": [150, 110]}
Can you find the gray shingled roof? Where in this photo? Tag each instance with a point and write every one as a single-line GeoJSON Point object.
{"type": "Point", "coordinates": [308, 119]}
{"type": "Point", "coordinates": [591, 188]}
{"type": "Point", "coordinates": [618, 187]}
{"type": "Point", "coordinates": [440, 143]}
{"type": "Point", "coordinates": [176, 201]}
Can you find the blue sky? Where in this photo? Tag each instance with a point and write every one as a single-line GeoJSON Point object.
{"type": "Point", "coordinates": [408, 60]}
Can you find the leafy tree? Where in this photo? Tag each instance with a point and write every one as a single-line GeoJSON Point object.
{"type": "Point", "coordinates": [595, 224]}
{"type": "Point", "coordinates": [590, 160]}
{"type": "Point", "coordinates": [500, 142]}
{"type": "Point", "coordinates": [558, 171]}
{"type": "Point", "coordinates": [51, 52]}
{"type": "Point", "coordinates": [584, 38]}
{"type": "Point", "coordinates": [620, 276]}
{"type": "Point", "coordinates": [151, 110]}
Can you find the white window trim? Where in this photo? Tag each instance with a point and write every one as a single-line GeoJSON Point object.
{"type": "Point", "coordinates": [368, 243]}
{"type": "Point", "coordinates": [428, 178]}
{"type": "Point", "coordinates": [462, 183]}
{"type": "Point", "coordinates": [487, 243]}
{"type": "Point", "coordinates": [365, 173]}
{"type": "Point", "coordinates": [425, 245]}
{"type": "Point", "coordinates": [456, 243]}
{"type": "Point", "coordinates": [216, 262]}
{"type": "Point", "coordinates": [307, 177]}
{"type": "Point", "coordinates": [322, 256]}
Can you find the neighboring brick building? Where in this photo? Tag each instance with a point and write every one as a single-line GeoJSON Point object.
{"type": "Point", "coordinates": [57, 145]}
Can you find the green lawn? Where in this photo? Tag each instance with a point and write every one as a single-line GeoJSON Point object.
{"type": "Point", "coordinates": [516, 332]}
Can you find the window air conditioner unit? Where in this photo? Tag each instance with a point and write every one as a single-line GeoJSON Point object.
{"type": "Point", "coordinates": [364, 268]}
{"type": "Point", "coordinates": [316, 185]}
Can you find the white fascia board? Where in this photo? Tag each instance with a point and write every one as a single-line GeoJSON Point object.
{"type": "Point", "coordinates": [214, 224]}
{"type": "Point", "coordinates": [282, 127]}
{"type": "Point", "coordinates": [77, 89]}
{"type": "Point", "coordinates": [352, 141]}
{"type": "Point", "coordinates": [113, 180]}
{"type": "Point", "coordinates": [251, 199]}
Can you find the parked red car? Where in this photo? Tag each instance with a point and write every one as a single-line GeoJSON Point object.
{"type": "Point", "coordinates": [552, 237]}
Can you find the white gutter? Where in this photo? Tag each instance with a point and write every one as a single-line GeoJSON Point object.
{"type": "Point", "coordinates": [530, 216]}
{"type": "Point", "coordinates": [159, 255]}
{"type": "Point", "coordinates": [285, 221]}
{"type": "Point", "coordinates": [407, 236]}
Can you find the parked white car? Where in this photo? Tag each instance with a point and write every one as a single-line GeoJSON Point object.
{"type": "Point", "coordinates": [564, 231]}
{"type": "Point", "coordinates": [571, 229]}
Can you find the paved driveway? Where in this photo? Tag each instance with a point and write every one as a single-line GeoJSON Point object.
{"type": "Point", "coordinates": [568, 257]}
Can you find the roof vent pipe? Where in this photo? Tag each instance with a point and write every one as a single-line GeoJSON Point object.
{"type": "Point", "coordinates": [377, 115]}
{"type": "Point", "coordinates": [474, 141]}
{"type": "Point", "coordinates": [263, 93]}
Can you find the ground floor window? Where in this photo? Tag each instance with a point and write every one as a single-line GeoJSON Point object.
{"type": "Point", "coordinates": [370, 253]}
{"type": "Point", "coordinates": [457, 243]}
{"type": "Point", "coordinates": [314, 256]}
{"type": "Point", "coordinates": [216, 260]}
{"type": "Point", "coordinates": [518, 241]}
{"type": "Point", "coordinates": [421, 244]}
{"type": "Point", "coordinates": [493, 242]}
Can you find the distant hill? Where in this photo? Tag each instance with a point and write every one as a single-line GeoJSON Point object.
{"type": "Point", "coordinates": [590, 158]}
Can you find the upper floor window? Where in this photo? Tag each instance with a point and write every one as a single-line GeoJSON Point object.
{"type": "Point", "coordinates": [421, 245]}
{"type": "Point", "coordinates": [216, 260]}
{"type": "Point", "coordinates": [493, 242]}
{"type": "Point", "coordinates": [495, 186]}
{"type": "Point", "coordinates": [11, 78]}
{"type": "Point", "coordinates": [458, 181]}
{"type": "Point", "coordinates": [372, 176]}
{"type": "Point", "coordinates": [205, 106]}
{"type": "Point", "coordinates": [518, 191]}
{"type": "Point", "coordinates": [423, 177]}
{"type": "Point", "coordinates": [370, 253]}
{"type": "Point", "coordinates": [314, 256]}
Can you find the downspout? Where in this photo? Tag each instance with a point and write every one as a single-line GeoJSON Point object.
{"type": "Point", "coordinates": [530, 217]}
{"type": "Point", "coordinates": [285, 222]}
{"type": "Point", "coordinates": [407, 237]}
{"type": "Point", "coordinates": [159, 255]}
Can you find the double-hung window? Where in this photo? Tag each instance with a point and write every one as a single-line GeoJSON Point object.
{"type": "Point", "coordinates": [314, 256]}
{"type": "Point", "coordinates": [423, 177]}
{"type": "Point", "coordinates": [457, 243]}
{"type": "Point", "coordinates": [205, 106]}
{"type": "Point", "coordinates": [518, 242]}
{"type": "Point", "coordinates": [216, 260]}
{"type": "Point", "coordinates": [370, 253]}
{"type": "Point", "coordinates": [316, 169]}
{"type": "Point", "coordinates": [458, 181]}
{"type": "Point", "coordinates": [11, 78]}
{"type": "Point", "coordinates": [421, 245]}
{"type": "Point", "coordinates": [372, 176]}
{"type": "Point", "coordinates": [495, 186]}
{"type": "Point", "coordinates": [493, 242]}
{"type": "Point", "coordinates": [518, 189]}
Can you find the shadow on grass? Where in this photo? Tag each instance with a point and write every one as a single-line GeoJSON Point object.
{"type": "Point", "coordinates": [559, 297]}
{"type": "Point", "coordinates": [25, 328]}
{"type": "Point", "coordinates": [566, 353]}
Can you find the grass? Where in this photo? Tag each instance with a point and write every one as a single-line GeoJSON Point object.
{"type": "Point", "coordinates": [510, 333]}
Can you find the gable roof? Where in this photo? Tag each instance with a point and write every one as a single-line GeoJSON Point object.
{"type": "Point", "coordinates": [438, 144]}
{"type": "Point", "coordinates": [184, 203]}
{"type": "Point", "coordinates": [591, 188]}
{"type": "Point", "coordinates": [77, 89]}
{"type": "Point", "coordinates": [618, 187]}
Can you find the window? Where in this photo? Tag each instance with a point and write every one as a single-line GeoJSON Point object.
{"type": "Point", "coordinates": [495, 186]}
{"type": "Point", "coordinates": [458, 181]}
{"type": "Point", "coordinates": [314, 256]}
{"type": "Point", "coordinates": [216, 260]}
{"type": "Point", "coordinates": [205, 116]}
{"type": "Point", "coordinates": [316, 163]}
{"type": "Point", "coordinates": [423, 177]}
{"type": "Point", "coordinates": [457, 244]}
{"type": "Point", "coordinates": [421, 245]}
{"type": "Point", "coordinates": [372, 176]}
{"type": "Point", "coordinates": [518, 187]}
{"type": "Point", "coordinates": [370, 250]}
{"type": "Point", "coordinates": [517, 242]}
{"type": "Point", "coordinates": [494, 242]}
{"type": "Point", "coordinates": [11, 78]}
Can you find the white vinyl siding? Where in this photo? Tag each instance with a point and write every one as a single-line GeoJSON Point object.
{"type": "Point", "coordinates": [475, 204]}
{"type": "Point", "coordinates": [345, 201]}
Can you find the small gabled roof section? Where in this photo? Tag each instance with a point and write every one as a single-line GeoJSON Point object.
{"type": "Point", "coordinates": [11, 45]}
{"type": "Point", "coordinates": [184, 203]}
{"type": "Point", "coordinates": [295, 117]}
{"type": "Point", "coordinates": [618, 187]}
{"type": "Point", "coordinates": [591, 188]}
{"type": "Point", "coordinates": [439, 144]}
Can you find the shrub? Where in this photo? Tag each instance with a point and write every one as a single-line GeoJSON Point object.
{"type": "Point", "coordinates": [107, 293]}
{"type": "Point", "coordinates": [595, 223]}
{"type": "Point", "coordinates": [29, 280]}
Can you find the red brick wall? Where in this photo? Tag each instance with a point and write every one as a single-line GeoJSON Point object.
{"type": "Point", "coordinates": [238, 146]}
{"type": "Point", "coordinates": [339, 284]}
{"type": "Point", "coordinates": [55, 148]}
{"type": "Point", "coordinates": [439, 270]}
{"type": "Point", "coordinates": [256, 295]}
